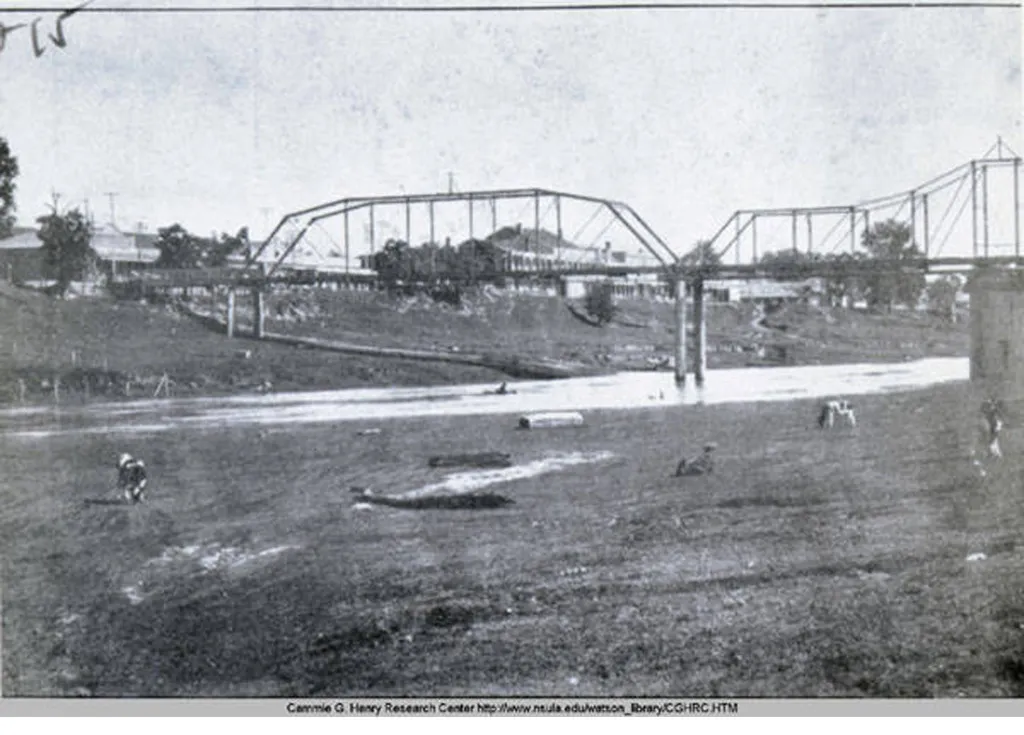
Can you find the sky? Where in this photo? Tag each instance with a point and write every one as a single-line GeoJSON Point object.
{"type": "Point", "coordinates": [218, 121]}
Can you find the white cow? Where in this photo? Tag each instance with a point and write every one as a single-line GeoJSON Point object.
{"type": "Point", "coordinates": [989, 428]}
{"type": "Point", "coordinates": [831, 410]}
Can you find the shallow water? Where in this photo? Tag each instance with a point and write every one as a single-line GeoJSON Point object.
{"type": "Point", "coordinates": [620, 391]}
{"type": "Point", "coordinates": [472, 480]}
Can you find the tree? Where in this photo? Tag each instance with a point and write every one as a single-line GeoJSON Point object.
{"type": "Point", "coordinates": [218, 251]}
{"type": "Point", "coordinates": [600, 302]}
{"type": "Point", "coordinates": [843, 285]}
{"type": "Point", "coordinates": [942, 297]}
{"type": "Point", "coordinates": [789, 265]}
{"type": "Point", "coordinates": [67, 250]}
{"type": "Point", "coordinates": [703, 257]}
{"type": "Point", "coordinates": [8, 173]}
{"type": "Point", "coordinates": [892, 241]}
{"type": "Point", "coordinates": [179, 248]}
{"type": "Point", "coordinates": [393, 264]}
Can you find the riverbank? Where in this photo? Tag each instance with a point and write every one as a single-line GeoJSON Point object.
{"type": "Point", "coordinates": [80, 350]}
{"type": "Point", "coordinates": [872, 562]}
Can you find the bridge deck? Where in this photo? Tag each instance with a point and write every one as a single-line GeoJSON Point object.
{"type": "Point", "coordinates": [238, 278]}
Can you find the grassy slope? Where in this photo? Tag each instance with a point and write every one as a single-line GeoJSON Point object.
{"type": "Point", "coordinates": [543, 326]}
{"type": "Point", "coordinates": [811, 564]}
{"type": "Point", "coordinates": [105, 343]}
{"type": "Point", "coordinates": [42, 337]}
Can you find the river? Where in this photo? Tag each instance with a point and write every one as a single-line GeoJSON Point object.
{"type": "Point", "coordinates": [620, 391]}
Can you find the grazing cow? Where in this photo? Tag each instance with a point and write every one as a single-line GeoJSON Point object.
{"type": "Point", "coordinates": [830, 410]}
{"type": "Point", "coordinates": [702, 465]}
{"type": "Point", "coordinates": [986, 439]}
{"type": "Point", "coordinates": [131, 477]}
{"type": "Point", "coordinates": [992, 427]}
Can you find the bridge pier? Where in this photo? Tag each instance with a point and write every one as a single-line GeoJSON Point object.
{"type": "Point", "coordinates": [680, 332]}
{"type": "Point", "coordinates": [231, 313]}
{"type": "Point", "coordinates": [259, 315]}
{"type": "Point", "coordinates": [700, 332]}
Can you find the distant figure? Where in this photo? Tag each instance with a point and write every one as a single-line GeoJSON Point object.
{"type": "Point", "coordinates": [830, 410]}
{"type": "Point", "coordinates": [702, 465]}
{"type": "Point", "coordinates": [131, 477]}
{"type": "Point", "coordinates": [501, 390]}
{"type": "Point", "coordinates": [992, 427]}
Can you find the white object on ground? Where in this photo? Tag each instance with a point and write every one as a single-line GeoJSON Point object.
{"type": "Point", "coordinates": [550, 419]}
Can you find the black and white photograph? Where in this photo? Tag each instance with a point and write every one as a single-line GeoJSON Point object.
{"type": "Point", "coordinates": [428, 357]}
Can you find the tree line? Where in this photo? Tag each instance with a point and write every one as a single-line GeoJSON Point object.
{"type": "Point", "coordinates": [848, 277]}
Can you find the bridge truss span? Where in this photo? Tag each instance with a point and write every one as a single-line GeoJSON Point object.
{"type": "Point", "coordinates": [322, 238]}
{"type": "Point", "coordinates": [973, 210]}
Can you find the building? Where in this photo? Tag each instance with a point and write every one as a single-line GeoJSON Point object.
{"type": "Point", "coordinates": [21, 257]}
{"type": "Point", "coordinates": [997, 329]}
{"type": "Point", "coordinates": [763, 290]}
{"type": "Point", "coordinates": [117, 253]}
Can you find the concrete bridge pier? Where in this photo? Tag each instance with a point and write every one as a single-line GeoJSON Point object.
{"type": "Point", "coordinates": [680, 332]}
{"type": "Point", "coordinates": [231, 313]}
{"type": "Point", "coordinates": [260, 313]}
{"type": "Point", "coordinates": [700, 332]}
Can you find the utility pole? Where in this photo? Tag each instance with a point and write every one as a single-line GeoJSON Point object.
{"type": "Point", "coordinates": [111, 195]}
{"type": "Point", "coordinates": [451, 183]}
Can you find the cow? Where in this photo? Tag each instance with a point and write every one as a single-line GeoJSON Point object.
{"type": "Point", "coordinates": [989, 429]}
{"type": "Point", "coordinates": [993, 427]}
{"type": "Point", "coordinates": [831, 410]}
{"type": "Point", "coordinates": [702, 465]}
{"type": "Point", "coordinates": [131, 477]}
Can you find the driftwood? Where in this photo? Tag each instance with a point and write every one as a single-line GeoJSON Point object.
{"type": "Point", "coordinates": [466, 501]}
{"type": "Point", "coordinates": [479, 459]}
{"type": "Point", "coordinates": [550, 419]}
{"type": "Point", "coordinates": [585, 318]}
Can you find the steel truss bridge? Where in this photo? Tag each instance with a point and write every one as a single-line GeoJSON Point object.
{"type": "Point", "coordinates": [934, 212]}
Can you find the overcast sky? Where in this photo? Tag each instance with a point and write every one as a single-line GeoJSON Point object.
{"type": "Point", "coordinates": [219, 121]}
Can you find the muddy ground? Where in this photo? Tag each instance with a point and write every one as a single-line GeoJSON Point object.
{"type": "Point", "coordinates": [809, 564]}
